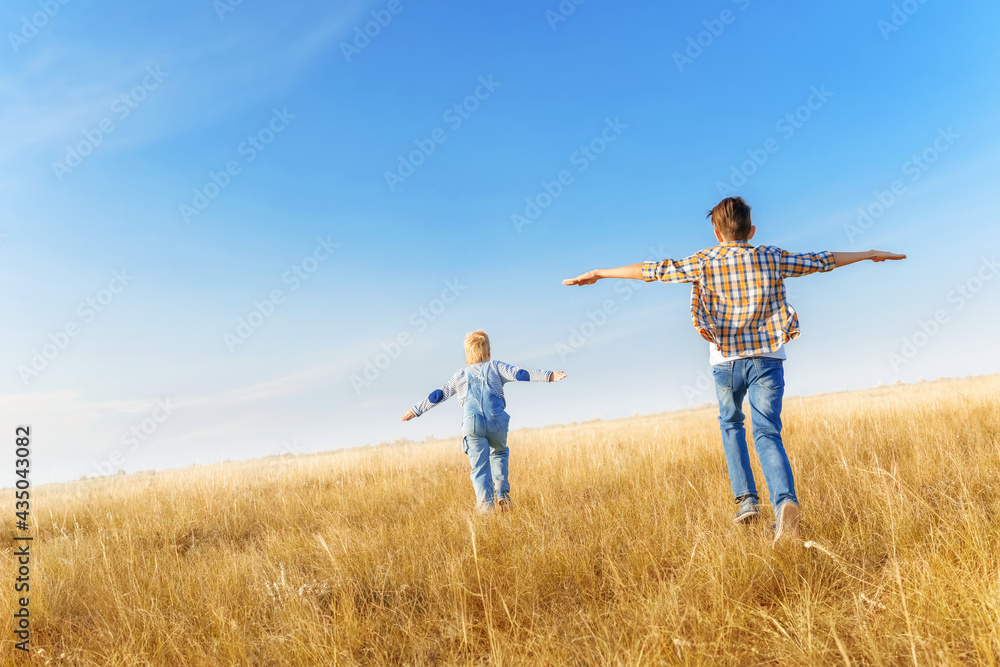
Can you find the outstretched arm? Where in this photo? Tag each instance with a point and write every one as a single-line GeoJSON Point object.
{"type": "Point", "coordinates": [510, 373]}
{"type": "Point", "coordinates": [795, 264]}
{"type": "Point", "coordinates": [435, 397]}
{"type": "Point", "coordinates": [845, 258]}
{"type": "Point", "coordinates": [631, 272]}
{"type": "Point", "coordinates": [685, 270]}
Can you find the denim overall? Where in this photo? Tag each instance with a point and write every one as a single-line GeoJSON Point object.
{"type": "Point", "coordinates": [484, 431]}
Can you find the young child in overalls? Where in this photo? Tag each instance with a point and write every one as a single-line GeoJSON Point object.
{"type": "Point", "coordinates": [484, 427]}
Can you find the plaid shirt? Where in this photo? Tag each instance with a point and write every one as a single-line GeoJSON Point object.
{"type": "Point", "coordinates": [738, 296]}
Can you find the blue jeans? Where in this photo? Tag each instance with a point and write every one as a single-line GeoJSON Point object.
{"type": "Point", "coordinates": [485, 441]}
{"type": "Point", "coordinates": [763, 380]}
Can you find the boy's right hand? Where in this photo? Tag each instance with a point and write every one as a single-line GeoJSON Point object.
{"type": "Point", "coordinates": [588, 278]}
{"type": "Point", "coordinates": [408, 416]}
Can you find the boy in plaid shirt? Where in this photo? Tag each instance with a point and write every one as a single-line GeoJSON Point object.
{"type": "Point", "coordinates": [739, 305]}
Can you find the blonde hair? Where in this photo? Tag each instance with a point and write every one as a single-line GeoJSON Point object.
{"type": "Point", "coordinates": [477, 347]}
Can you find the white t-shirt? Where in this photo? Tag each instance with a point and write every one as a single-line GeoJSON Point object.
{"type": "Point", "coordinates": [715, 355]}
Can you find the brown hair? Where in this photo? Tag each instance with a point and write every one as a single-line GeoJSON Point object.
{"type": "Point", "coordinates": [731, 217]}
{"type": "Point", "coordinates": [477, 347]}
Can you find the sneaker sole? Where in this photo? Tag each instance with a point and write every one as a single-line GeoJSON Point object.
{"type": "Point", "coordinates": [788, 522]}
{"type": "Point", "coordinates": [749, 517]}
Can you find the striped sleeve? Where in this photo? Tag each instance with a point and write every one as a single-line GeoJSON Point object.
{"type": "Point", "coordinates": [686, 270]}
{"type": "Point", "coordinates": [439, 395]}
{"type": "Point", "coordinates": [510, 373]}
{"type": "Point", "coordinates": [794, 265]}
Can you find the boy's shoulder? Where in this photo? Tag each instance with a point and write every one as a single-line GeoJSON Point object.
{"type": "Point", "coordinates": [743, 248]}
{"type": "Point", "coordinates": [489, 365]}
{"type": "Point", "coordinates": [769, 250]}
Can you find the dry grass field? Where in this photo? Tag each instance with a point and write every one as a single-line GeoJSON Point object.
{"type": "Point", "coordinates": [620, 550]}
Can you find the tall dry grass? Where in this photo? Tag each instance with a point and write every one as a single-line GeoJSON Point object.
{"type": "Point", "coordinates": [620, 550]}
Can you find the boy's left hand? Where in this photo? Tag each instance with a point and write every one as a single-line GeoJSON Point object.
{"type": "Point", "coordinates": [882, 255]}
{"type": "Point", "coordinates": [556, 376]}
{"type": "Point", "coordinates": [588, 278]}
{"type": "Point", "coordinates": [408, 416]}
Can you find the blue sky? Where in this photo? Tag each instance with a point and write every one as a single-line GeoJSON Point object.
{"type": "Point", "coordinates": [278, 125]}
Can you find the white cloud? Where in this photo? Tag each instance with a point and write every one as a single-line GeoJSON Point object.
{"type": "Point", "coordinates": [73, 433]}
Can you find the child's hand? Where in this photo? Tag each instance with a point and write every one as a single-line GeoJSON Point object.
{"type": "Point", "coordinates": [882, 255]}
{"type": "Point", "coordinates": [556, 376]}
{"type": "Point", "coordinates": [408, 416]}
{"type": "Point", "coordinates": [846, 258]}
{"type": "Point", "coordinates": [588, 278]}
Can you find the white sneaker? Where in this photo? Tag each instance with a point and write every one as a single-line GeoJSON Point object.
{"type": "Point", "coordinates": [787, 525]}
